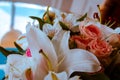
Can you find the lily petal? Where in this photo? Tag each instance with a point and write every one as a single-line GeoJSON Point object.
{"type": "Point", "coordinates": [71, 18]}
{"type": "Point", "coordinates": [16, 65]}
{"type": "Point", "coordinates": [82, 60]}
{"type": "Point", "coordinates": [37, 41]}
{"type": "Point", "coordinates": [107, 31]}
{"type": "Point", "coordinates": [117, 30]}
{"type": "Point", "coordinates": [56, 76]}
{"type": "Point", "coordinates": [57, 40]}
{"type": "Point", "coordinates": [51, 30]}
{"type": "Point", "coordinates": [47, 28]}
{"type": "Point", "coordinates": [22, 40]}
{"type": "Point", "coordinates": [39, 68]}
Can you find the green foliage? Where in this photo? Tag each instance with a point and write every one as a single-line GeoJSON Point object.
{"type": "Point", "coordinates": [82, 18]}
{"type": "Point", "coordinates": [41, 22]}
{"type": "Point", "coordinates": [19, 48]}
{"type": "Point", "coordinates": [4, 51]}
{"type": "Point", "coordinates": [86, 76]}
{"type": "Point", "coordinates": [64, 26]}
{"type": "Point", "coordinates": [8, 52]}
{"type": "Point", "coordinates": [48, 17]}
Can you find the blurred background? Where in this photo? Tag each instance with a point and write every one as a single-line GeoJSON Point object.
{"type": "Point", "coordinates": [14, 14]}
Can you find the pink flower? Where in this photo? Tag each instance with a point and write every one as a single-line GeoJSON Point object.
{"type": "Point", "coordinates": [80, 41]}
{"type": "Point", "coordinates": [90, 31]}
{"type": "Point", "coordinates": [87, 34]}
{"type": "Point", "coordinates": [28, 53]}
{"type": "Point", "coordinates": [100, 48]}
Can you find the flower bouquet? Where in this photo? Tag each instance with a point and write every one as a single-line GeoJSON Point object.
{"type": "Point", "coordinates": [65, 46]}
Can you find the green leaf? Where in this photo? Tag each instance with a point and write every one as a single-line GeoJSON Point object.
{"type": "Point", "coordinates": [19, 48]}
{"type": "Point", "coordinates": [86, 76]}
{"type": "Point", "coordinates": [64, 27]}
{"type": "Point", "coordinates": [72, 44]}
{"type": "Point", "coordinates": [115, 73]}
{"type": "Point", "coordinates": [4, 51]}
{"type": "Point", "coordinates": [44, 15]}
{"type": "Point", "coordinates": [115, 59]}
{"type": "Point", "coordinates": [83, 17]}
{"type": "Point", "coordinates": [100, 76]}
{"type": "Point", "coordinates": [83, 76]}
{"type": "Point", "coordinates": [8, 52]}
{"type": "Point", "coordinates": [41, 22]}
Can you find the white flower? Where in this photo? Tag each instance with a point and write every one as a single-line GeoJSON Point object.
{"type": "Point", "coordinates": [51, 30]}
{"type": "Point", "coordinates": [69, 19]}
{"type": "Point", "coordinates": [16, 66]}
{"type": "Point", "coordinates": [63, 60]}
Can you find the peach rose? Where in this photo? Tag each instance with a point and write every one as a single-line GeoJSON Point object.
{"type": "Point", "coordinates": [90, 31]}
{"type": "Point", "coordinates": [80, 41]}
{"type": "Point", "coordinates": [100, 48]}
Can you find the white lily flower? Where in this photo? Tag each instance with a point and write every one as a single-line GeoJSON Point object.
{"type": "Point", "coordinates": [71, 20]}
{"type": "Point", "coordinates": [16, 66]}
{"type": "Point", "coordinates": [51, 30]}
{"type": "Point", "coordinates": [68, 19]}
{"type": "Point", "coordinates": [57, 61]}
{"type": "Point", "coordinates": [38, 40]}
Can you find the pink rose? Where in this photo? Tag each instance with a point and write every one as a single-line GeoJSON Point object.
{"type": "Point", "coordinates": [87, 34]}
{"type": "Point", "coordinates": [90, 31]}
{"type": "Point", "coordinates": [28, 53]}
{"type": "Point", "coordinates": [100, 48]}
{"type": "Point", "coordinates": [80, 41]}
